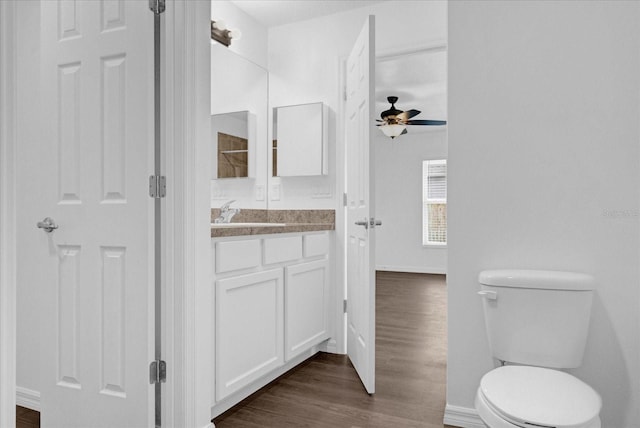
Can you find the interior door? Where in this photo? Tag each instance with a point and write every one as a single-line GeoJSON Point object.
{"type": "Point", "coordinates": [97, 115]}
{"type": "Point", "coordinates": [361, 317]}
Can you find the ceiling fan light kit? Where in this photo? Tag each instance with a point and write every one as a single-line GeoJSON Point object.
{"type": "Point", "coordinates": [394, 122]}
{"type": "Point", "coordinates": [393, 130]}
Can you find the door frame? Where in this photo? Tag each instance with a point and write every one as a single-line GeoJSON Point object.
{"type": "Point", "coordinates": [187, 293]}
{"type": "Point", "coordinates": [186, 290]}
{"type": "Point", "coordinates": [7, 214]}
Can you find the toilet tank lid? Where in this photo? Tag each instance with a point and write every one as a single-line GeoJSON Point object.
{"type": "Point", "coordinates": [539, 279]}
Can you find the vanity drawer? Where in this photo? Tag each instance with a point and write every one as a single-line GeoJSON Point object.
{"type": "Point", "coordinates": [315, 245]}
{"type": "Point", "coordinates": [236, 255]}
{"type": "Point", "coordinates": [278, 250]}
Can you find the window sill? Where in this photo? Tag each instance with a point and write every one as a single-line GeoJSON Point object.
{"type": "Point", "coordinates": [438, 246]}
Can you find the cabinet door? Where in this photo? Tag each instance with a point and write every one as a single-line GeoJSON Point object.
{"type": "Point", "coordinates": [306, 306]}
{"type": "Point", "coordinates": [249, 329]}
{"type": "Point", "coordinates": [301, 133]}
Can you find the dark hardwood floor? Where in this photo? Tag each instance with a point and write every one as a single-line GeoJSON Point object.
{"type": "Point", "coordinates": [26, 418]}
{"type": "Point", "coordinates": [324, 391]}
{"type": "Point", "coordinates": [411, 352]}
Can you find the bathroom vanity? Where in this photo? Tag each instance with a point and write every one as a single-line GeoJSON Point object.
{"type": "Point", "coordinates": [272, 299]}
{"type": "Point", "coordinates": [275, 302]}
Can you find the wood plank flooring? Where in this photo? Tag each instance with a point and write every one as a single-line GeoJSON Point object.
{"type": "Point", "coordinates": [27, 418]}
{"type": "Point", "coordinates": [324, 391]}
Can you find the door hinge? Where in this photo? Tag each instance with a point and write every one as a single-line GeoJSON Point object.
{"type": "Point", "coordinates": [344, 306]}
{"type": "Point", "coordinates": [157, 372]}
{"type": "Point", "coordinates": [157, 186]}
{"type": "Point", "coordinates": [157, 6]}
{"type": "Point", "coordinates": [344, 199]}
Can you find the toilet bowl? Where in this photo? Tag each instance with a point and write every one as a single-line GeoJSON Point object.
{"type": "Point", "coordinates": [535, 397]}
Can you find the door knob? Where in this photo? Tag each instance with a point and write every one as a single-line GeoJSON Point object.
{"type": "Point", "coordinates": [373, 222]}
{"type": "Point", "coordinates": [47, 224]}
{"type": "Point", "coordinates": [369, 223]}
{"type": "Point", "coordinates": [364, 223]}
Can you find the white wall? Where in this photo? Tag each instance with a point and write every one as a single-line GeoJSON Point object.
{"type": "Point", "coordinates": [544, 174]}
{"type": "Point", "coordinates": [253, 43]}
{"type": "Point", "coordinates": [304, 67]}
{"type": "Point", "coordinates": [398, 166]}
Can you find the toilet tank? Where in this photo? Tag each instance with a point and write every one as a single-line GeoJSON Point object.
{"type": "Point", "coordinates": [538, 318]}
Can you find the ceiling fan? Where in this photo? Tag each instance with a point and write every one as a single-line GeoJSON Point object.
{"type": "Point", "coordinates": [394, 122]}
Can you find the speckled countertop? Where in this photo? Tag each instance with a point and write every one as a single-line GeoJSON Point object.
{"type": "Point", "coordinates": [293, 220]}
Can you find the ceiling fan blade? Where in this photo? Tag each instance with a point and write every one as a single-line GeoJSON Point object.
{"type": "Point", "coordinates": [406, 115]}
{"type": "Point", "coordinates": [425, 122]}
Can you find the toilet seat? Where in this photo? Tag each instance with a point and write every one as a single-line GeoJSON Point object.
{"type": "Point", "coordinates": [527, 396]}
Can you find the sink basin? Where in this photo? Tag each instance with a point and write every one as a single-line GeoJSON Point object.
{"type": "Point", "coordinates": [236, 225]}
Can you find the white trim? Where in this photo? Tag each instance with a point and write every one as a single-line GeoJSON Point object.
{"type": "Point", "coordinates": [330, 346]}
{"type": "Point", "coordinates": [462, 417]}
{"type": "Point", "coordinates": [186, 343]}
{"type": "Point", "coordinates": [413, 269]}
{"type": "Point", "coordinates": [28, 398]}
{"type": "Point", "coordinates": [435, 246]}
{"type": "Point", "coordinates": [7, 214]}
{"type": "Point", "coordinates": [340, 236]}
{"type": "Point", "coordinates": [434, 46]}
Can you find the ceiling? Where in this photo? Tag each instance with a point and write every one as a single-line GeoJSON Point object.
{"type": "Point", "coordinates": [271, 13]}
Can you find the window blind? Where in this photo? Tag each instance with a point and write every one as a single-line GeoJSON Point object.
{"type": "Point", "coordinates": [434, 183]}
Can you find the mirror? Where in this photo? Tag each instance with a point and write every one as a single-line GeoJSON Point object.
{"type": "Point", "coordinates": [300, 140]}
{"type": "Point", "coordinates": [232, 136]}
{"type": "Point", "coordinates": [239, 129]}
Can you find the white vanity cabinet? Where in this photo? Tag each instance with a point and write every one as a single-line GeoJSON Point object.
{"type": "Point", "coordinates": [305, 308]}
{"type": "Point", "coordinates": [272, 308]}
{"type": "Point", "coordinates": [249, 328]}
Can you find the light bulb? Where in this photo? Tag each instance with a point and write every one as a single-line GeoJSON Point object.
{"type": "Point", "coordinates": [220, 25]}
{"type": "Point", "coordinates": [235, 34]}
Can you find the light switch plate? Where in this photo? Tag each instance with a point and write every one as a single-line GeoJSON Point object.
{"type": "Point", "coordinates": [275, 192]}
{"type": "Point", "coordinates": [260, 192]}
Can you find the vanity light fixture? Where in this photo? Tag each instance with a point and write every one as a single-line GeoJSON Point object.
{"type": "Point", "coordinates": [392, 130]}
{"type": "Point", "coordinates": [220, 33]}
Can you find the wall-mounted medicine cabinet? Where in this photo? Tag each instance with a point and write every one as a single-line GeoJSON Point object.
{"type": "Point", "coordinates": [234, 141]}
{"type": "Point", "coordinates": [300, 140]}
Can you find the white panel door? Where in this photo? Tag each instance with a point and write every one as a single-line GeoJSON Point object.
{"type": "Point", "coordinates": [97, 285]}
{"type": "Point", "coordinates": [361, 319]}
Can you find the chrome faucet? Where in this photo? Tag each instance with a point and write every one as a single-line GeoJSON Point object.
{"type": "Point", "coordinates": [226, 213]}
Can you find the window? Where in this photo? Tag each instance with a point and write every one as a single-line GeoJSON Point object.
{"type": "Point", "coordinates": [434, 202]}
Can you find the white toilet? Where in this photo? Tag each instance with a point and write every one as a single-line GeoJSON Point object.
{"type": "Point", "coordinates": [537, 321]}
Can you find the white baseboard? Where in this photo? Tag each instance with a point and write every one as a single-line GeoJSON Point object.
{"type": "Point", "coordinates": [28, 398]}
{"type": "Point", "coordinates": [413, 269]}
{"type": "Point", "coordinates": [462, 417]}
{"type": "Point", "coordinates": [330, 346]}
